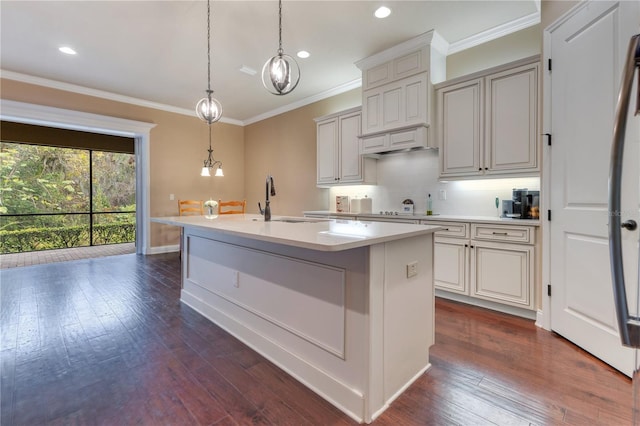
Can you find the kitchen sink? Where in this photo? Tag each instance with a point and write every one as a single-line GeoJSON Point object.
{"type": "Point", "coordinates": [298, 220]}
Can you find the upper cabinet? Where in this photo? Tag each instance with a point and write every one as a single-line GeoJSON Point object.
{"type": "Point", "coordinates": [488, 122]}
{"type": "Point", "coordinates": [396, 105]}
{"type": "Point", "coordinates": [397, 94]}
{"type": "Point", "coordinates": [338, 150]}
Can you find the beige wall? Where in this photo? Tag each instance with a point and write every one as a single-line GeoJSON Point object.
{"type": "Point", "coordinates": [285, 146]}
{"type": "Point", "coordinates": [178, 147]}
{"type": "Point", "coordinates": [550, 10]}
{"type": "Point", "coordinates": [518, 45]}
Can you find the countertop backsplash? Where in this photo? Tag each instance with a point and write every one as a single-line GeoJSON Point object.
{"type": "Point", "coordinates": [415, 174]}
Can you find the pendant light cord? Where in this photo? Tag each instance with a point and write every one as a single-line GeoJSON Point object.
{"type": "Point", "coordinates": [280, 27]}
{"type": "Point", "coordinates": [208, 46]}
{"type": "Point", "coordinates": [210, 150]}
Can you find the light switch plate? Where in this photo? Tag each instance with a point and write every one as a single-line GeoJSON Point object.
{"type": "Point", "coordinates": [412, 269]}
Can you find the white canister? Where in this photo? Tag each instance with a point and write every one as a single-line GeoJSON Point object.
{"type": "Point", "coordinates": [356, 205]}
{"type": "Point", "coordinates": [366, 205]}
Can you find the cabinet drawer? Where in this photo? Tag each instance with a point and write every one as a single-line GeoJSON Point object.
{"type": "Point", "coordinates": [451, 229]}
{"type": "Point", "coordinates": [512, 234]}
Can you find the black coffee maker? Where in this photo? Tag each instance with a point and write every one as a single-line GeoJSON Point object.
{"type": "Point", "coordinates": [525, 204]}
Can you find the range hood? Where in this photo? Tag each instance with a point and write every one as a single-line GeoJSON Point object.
{"type": "Point", "coordinates": [397, 94]}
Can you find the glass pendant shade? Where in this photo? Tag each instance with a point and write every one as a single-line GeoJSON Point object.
{"type": "Point", "coordinates": [280, 74]}
{"type": "Point", "coordinates": [209, 109]}
{"type": "Point", "coordinates": [211, 162]}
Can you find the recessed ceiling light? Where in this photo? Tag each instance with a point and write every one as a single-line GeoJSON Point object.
{"type": "Point", "coordinates": [247, 70]}
{"type": "Point", "coordinates": [67, 50]}
{"type": "Point", "coordinates": [382, 12]}
{"type": "Point", "coordinates": [303, 54]}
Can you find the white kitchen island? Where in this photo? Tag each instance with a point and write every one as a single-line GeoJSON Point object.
{"type": "Point", "coordinates": [345, 307]}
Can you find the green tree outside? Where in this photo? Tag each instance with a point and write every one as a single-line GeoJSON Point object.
{"type": "Point", "coordinates": [43, 179]}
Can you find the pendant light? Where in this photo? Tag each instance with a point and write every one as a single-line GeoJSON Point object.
{"type": "Point", "coordinates": [209, 109]}
{"type": "Point", "coordinates": [281, 73]}
{"type": "Point", "coordinates": [210, 162]}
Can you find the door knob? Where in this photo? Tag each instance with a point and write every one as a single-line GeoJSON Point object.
{"type": "Point", "coordinates": [630, 225]}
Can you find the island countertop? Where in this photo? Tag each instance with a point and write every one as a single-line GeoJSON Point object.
{"type": "Point", "coordinates": [310, 233]}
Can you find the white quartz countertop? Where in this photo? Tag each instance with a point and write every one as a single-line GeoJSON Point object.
{"type": "Point", "coordinates": [437, 217]}
{"type": "Point", "coordinates": [310, 233]}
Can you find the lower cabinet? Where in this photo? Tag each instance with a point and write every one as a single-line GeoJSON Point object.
{"type": "Point", "coordinates": [452, 259]}
{"type": "Point", "coordinates": [503, 273]}
{"type": "Point", "coordinates": [490, 262]}
{"type": "Point", "coordinates": [482, 261]}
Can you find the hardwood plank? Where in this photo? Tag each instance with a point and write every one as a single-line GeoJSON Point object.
{"type": "Point", "coordinates": [300, 398]}
{"type": "Point", "coordinates": [107, 341]}
{"type": "Point", "coordinates": [234, 403]}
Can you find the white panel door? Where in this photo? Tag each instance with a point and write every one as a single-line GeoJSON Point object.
{"type": "Point", "coordinates": [587, 52]}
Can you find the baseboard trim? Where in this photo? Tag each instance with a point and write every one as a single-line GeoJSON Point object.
{"type": "Point", "coordinates": [163, 249]}
{"type": "Point", "coordinates": [512, 310]}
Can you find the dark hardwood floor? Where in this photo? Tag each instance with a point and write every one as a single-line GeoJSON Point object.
{"type": "Point", "coordinates": [107, 341]}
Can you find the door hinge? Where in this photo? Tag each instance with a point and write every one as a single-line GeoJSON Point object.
{"type": "Point", "coordinates": [548, 135]}
{"type": "Point", "coordinates": [549, 64]}
{"type": "Point", "coordinates": [549, 215]}
{"type": "Point", "coordinates": [549, 290]}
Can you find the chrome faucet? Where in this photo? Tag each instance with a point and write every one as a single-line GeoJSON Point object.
{"type": "Point", "coordinates": [267, 209]}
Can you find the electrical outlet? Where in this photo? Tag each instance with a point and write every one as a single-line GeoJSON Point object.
{"type": "Point", "coordinates": [442, 194]}
{"type": "Point", "coordinates": [412, 269]}
{"type": "Point", "coordinates": [172, 197]}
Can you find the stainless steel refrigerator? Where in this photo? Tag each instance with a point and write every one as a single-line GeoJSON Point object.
{"type": "Point", "coordinates": [623, 223]}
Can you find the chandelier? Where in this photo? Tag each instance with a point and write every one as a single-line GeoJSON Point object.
{"type": "Point", "coordinates": [210, 162]}
{"type": "Point", "coordinates": [209, 109]}
{"type": "Point", "coordinates": [281, 73]}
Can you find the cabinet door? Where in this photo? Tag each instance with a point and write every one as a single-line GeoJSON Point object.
{"type": "Point", "coordinates": [372, 111]}
{"type": "Point", "coordinates": [460, 128]}
{"type": "Point", "coordinates": [350, 160]}
{"type": "Point", "coordinates": [451, 265]}
{"type": "Point", "coordinates": [327, 155]}
{"type": "Point", "coordinates": [511, 140]}
{"type": "Point", "coordinates": [415, 94]}
{"type": "Point", "coordinates": [396, 105]}
{"type": "Point", "coordinates": [503, 273]}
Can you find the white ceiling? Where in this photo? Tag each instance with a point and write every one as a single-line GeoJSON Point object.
{"type": "Point", "coordinates": [156, 51]}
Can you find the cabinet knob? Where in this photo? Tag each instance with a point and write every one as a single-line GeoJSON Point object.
{"type": "Point", "coordinates": [486, 168]}
{"type": "Point", "coordinates": [480, 169]}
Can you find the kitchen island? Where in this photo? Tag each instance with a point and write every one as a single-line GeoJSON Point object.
{"type": "Point", "coordinates": [345, 307]}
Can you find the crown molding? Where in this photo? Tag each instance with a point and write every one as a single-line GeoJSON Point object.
{"type": "Point", "coordinates": [429, 37]}
{"type": "Point", "coordinates": [495, 32]}
{"type": "Point", "coordinates": [74, 88]}
{"type": "Point", "coordinates": [420, 41]}
{"type": "Point", "coordinates": [306, 101]}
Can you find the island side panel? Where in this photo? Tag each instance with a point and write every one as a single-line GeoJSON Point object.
{"type": "Point", "coordinates": [307, 311]}
{"type": "Point", "coordinates": [409, 312]}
